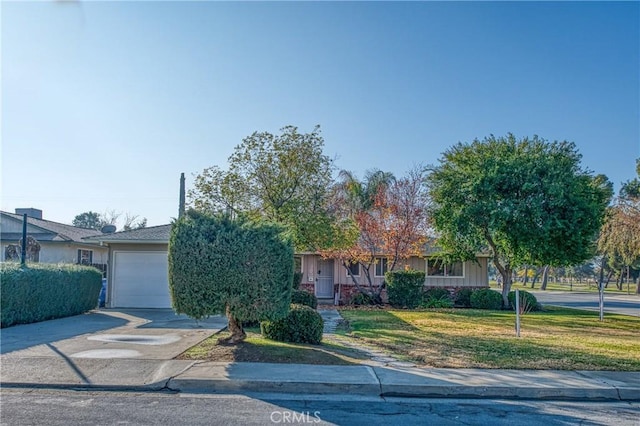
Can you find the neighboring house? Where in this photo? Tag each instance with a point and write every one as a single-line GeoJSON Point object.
{"type": "Point", "coordinates": [59, 243]}
{"type": "Point", "coordinates": [138, 270]}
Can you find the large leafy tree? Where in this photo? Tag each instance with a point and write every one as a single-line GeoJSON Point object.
{"type": "Point", "coordinates": [619, 239]}
{"type": "Point", "coordinates": [382, 218]}
{"type": "Point", "coordinates": [89, 220]}
{"type": "Point", "coordinates": [282, 178]}
{"type": "Point", "coordinates": [93, 220]}
{"type": "Point", "coordinates": [240, 268]}
{"type": "Point", "coordinates": [526, 202]}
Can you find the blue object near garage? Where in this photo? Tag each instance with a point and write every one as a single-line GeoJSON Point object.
{"type": "Point", "coordinates": [103, 294]}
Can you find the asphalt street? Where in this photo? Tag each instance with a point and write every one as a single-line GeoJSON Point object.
{"type": "Point", "coordinates": [613, 303]}
{"type": "Point", "coordinates": [49, 407]}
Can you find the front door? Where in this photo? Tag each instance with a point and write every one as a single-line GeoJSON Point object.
{"type": "Point", "coordinates": [324, 278]}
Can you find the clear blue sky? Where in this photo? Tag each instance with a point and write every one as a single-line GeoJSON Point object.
{"type": "Point", "coordinates": [104, 104]}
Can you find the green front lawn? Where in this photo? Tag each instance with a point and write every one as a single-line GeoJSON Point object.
{"type": "Point", "coordinates": [556, 338]}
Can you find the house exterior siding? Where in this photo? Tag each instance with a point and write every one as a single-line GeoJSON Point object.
{"type": "Point", "coordinates": [475, 275]}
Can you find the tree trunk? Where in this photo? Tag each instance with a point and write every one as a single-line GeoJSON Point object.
{"type": "Point", "coordinates": [545, 277]}
{"type": "Point", "coordinates": [535, 277]}
{"type": "Point", "coordinates": [526, 276]}
{"type": "Point", "coordinates": [236, 330]}
{"type": "Point", "coordinates": [619, 280]}
{"type": "Point", "coordinates": [507, 277]}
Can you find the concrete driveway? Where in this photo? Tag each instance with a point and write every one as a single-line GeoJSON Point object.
{"type": "Point", "coordinates": [157, 334]}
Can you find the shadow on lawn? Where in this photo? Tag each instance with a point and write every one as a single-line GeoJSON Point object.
{"type": "Point", "coordinates": [308, 354]}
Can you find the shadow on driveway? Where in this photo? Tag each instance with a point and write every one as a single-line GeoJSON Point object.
{"type": "Point", "coordinates": [23, 336]}
{"type": "Point", "coordinates": [19, 337]}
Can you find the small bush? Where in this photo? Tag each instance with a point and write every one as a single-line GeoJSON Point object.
{"type": "Point", "coordinates": [362, 299]}
{"type": "Point", "coordinates": [297, 280]}
{"type": "Point", "coordinates": [528, 301]}
{"type": "Point", "coordinates": [436, 297]}
{"type": "Point", "coordinates": [486, 298]}
{"type": "Point", "coordinates": [302, 297]}
{"type": "Point", "coordinates": [301, 325]}
{"type": "Point", "coordinates": [404, 288]}
{"type": "Point", "coordinates": [39, 292]}
{"type": "Point", "coordinates": [463, 297]}
{"type": "Point", "coordinates": [443, 302]}
{"type": "Point", "coordinates": [436, 293]}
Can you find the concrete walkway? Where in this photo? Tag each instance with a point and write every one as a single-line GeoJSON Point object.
{"type": "Point", "coordinates": [53, 354]}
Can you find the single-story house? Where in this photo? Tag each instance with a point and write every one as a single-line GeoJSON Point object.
{"type": "Point", "coordinates": [138, 270]}
{"type": "Point", "coordinates": [59, 243]}
{"type": "Point", "coordinates": [327, 278]}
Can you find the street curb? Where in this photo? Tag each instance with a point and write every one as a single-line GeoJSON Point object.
{"type": "Point", "coordinates": [204, 386]}
{"type": "Point", "coordinates": [151, 387]}
{"type": "Point", "coordinates": [288, 387]}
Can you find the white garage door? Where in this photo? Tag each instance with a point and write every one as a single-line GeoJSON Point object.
{"type": "Point", "coordinates": [140, 280]}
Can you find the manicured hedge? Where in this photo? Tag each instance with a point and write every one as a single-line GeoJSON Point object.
{"type": "Point", "coordinates": [237, 267]}
{"type": "Point", "coordinates": [39, 292]}
{"type": "Point", "coordinates": [486, 298]}
{"type": "Point", "coordinates": [302, 297]}
{"type": "Point", "coordinates": [404, 288]}
{"type": "Point", "coordinates": [301, 325]}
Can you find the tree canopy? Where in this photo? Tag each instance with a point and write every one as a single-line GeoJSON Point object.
{"type": "Point", "coordinates": [524, 201]}
{"type": "Point", "coordinates": [93, 220]}
{"type": "Point", "coordinates": [620, 237]}
{"type": "Point", "coordinates": [89, 220]}
{"type": "Point", "coordinates": [240, 268]}
{"type": "Point", "coordinates": [282, 178]}
{"type": "Point", "coordinates": [381, 218]}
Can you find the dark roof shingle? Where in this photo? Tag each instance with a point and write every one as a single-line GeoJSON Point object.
{"type": "Point", "coordinates": [157, 234]}
{"type": "Point", "coordinates": [64, 232]}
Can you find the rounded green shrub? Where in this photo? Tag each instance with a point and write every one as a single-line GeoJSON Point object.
{"type": "Point", "coordinates": [486, 298]}
{"type": "Point", "coordinates": [302, 297]}
{"type": "Point", "coordinates": [462, 297]}
{"type": "Point", "coordinates": [404, 288]}
{"type": "Point", "coordinates": [362, 299]}
{"type": "Point", "coordinates": [301, 325]}
{"type": "Point", "coordinates": [528, 301]}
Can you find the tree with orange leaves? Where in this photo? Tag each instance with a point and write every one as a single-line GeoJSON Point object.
{"type": "Point", "coordinates": [381, 219]}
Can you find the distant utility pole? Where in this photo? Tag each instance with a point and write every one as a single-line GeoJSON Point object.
{"type": "Point", "coordinates": [182, 197]}
{"type": "Point", "coordinates": [23, 252]}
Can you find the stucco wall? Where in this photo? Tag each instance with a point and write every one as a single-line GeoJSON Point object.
{"type": "Point", "coordinates": [54, 252]}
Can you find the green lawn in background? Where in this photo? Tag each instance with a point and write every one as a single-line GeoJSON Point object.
{"type": "Point", "coordinates": [576, 286]}
{"type": "Point", "coordinates": [556, 338]}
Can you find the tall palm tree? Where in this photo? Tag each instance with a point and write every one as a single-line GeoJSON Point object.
{"type": "Point", "coordinates": [354, 196]}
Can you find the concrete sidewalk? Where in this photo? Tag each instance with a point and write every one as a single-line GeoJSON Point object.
{"type": "Point", "coordinates": [133, 349]}
{"type": "Point", "coordinates": [215, 377]}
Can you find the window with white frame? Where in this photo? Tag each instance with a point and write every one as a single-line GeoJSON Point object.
{"type": "Point", "coordinates": [354, 269]}
{"type": "Point", "coordinates": [438, 268]}
{"type": "Point", "coordinates": [382, 266]}
{"type": "Point", "coordinates": [297, 260]}
{"type": "Point", "coordinates": [85, 257]}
